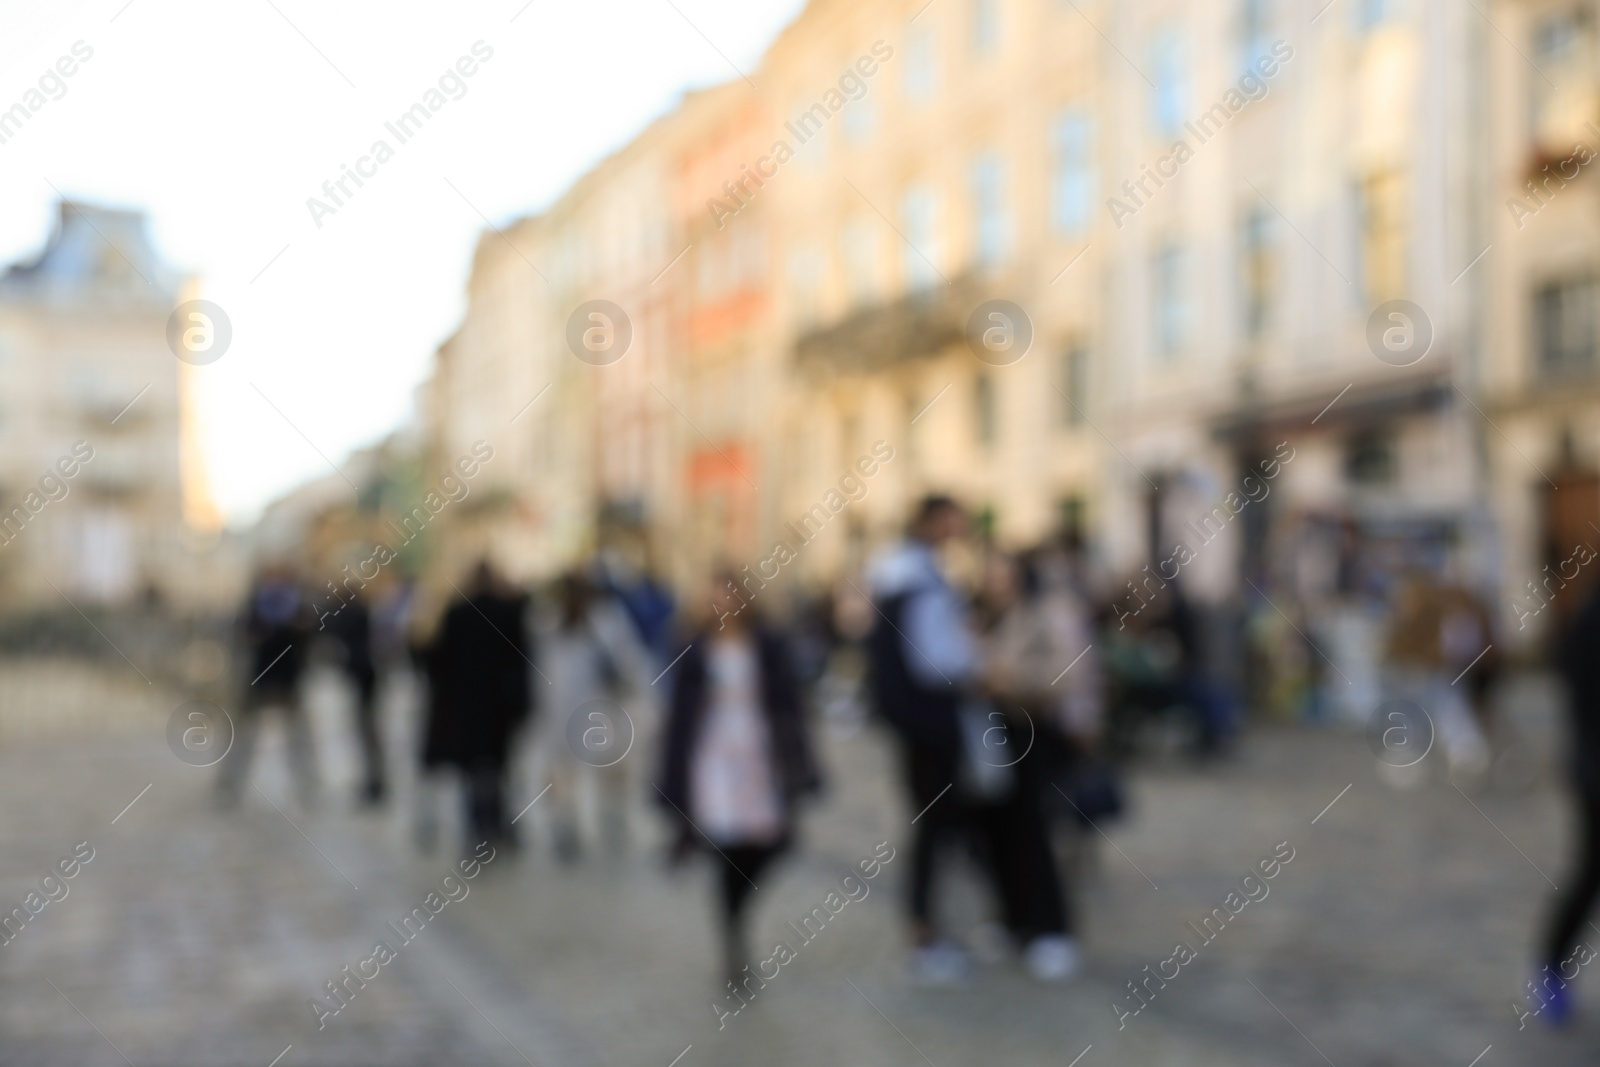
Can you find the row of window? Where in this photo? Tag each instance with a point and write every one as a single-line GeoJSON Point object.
{"type": "Point", "coordinates": [1566, 330]}
{"type": "Point", "coordinates": [1171, 64]}
{"type": "Point", "coordinates": [1374, 252]}
{"type": "Point", "coordinates": [1256, 283]}
{"type": "Point", "coordinates": [1169, 56]}
{"type": "Point", "coordinates": [1566, 327]}
{"type": "Point", "coordinates": [1561, 75]}
{"type": "Point", "coordinates": [1068, 395]}
{"type": "Point", "coordinates": [1375, 263]}
{"type": "Point", "coordinates": [923, 248]}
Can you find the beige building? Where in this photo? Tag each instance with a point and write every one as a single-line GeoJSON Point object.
{"type": "Point", "coordinates": [1198, 216]}
{"type": "Point", "coordinates": [1200, 209]}
{"type": "Point", "coordinates": [959, 170]}
{"type": "Point", "coordinates": [1540, 377]}
{"type": "Point", "coordinates": [92, 425]}
{"type": "Point", "coordinates": [583, 447]}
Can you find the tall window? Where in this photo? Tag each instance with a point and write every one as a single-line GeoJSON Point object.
{"type": "Point", "coordinates": [1170, 100]}
{"type": "Point", "coordinates": [983, 409]}
{"type": "Point", "coordinates": [1074, 383]}
{"type": "Point", "coordinates": [1561, 78]}
{"type": "Point", "coordinates": [912, 405]}
{"type": "Point", "coordinates": [1380, 218]}
{"type": "Point", "coordinates": [1257, 272]}
{"type": "Point", "coordinates": [858, 243]}
{"type": "Point", "coordinates": [1557, 35]}
{"type": "Point", "coordinates": [1369, 457]}
{"type": "Point", "coordinates": [919, 69]}
{"type": "Point", "coordinates": [920, 251]}
{"type": "Point", "coordinates": [1369, 13]}
{"type": "Point", "coordinates": [990, 210]}
{"type": "Point", "coordinates": [1564, 314]}
{"type": "Point", "coordinates": [1255, 30]}
{"type": "Point", "coordinates": [1170, 298]}
{"type": "Point", "coordinates": [1073, 188]}
{"type": "Point", "coordinates": [985, 25]}
{"type": "Point", "coordinates": [1072, 512]}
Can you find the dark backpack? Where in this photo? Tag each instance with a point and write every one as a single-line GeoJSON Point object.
{"type": "Point", "coordinates": [917, 713]}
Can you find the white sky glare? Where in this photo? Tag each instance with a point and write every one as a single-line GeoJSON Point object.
{"type": "Point", "coordinates": [221, 119]}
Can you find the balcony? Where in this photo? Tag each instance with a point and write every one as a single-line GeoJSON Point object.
{"type": "Point", "coordinates": [917, 326]}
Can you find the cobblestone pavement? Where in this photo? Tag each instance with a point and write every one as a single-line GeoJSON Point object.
{"type": "Point", "coordinates": [1396, 936]}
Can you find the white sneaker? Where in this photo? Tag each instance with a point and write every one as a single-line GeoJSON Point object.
{"type": "Point", "coordinates": [1051, 958]}
{"type": "Point", "coordinates": [943, 963]}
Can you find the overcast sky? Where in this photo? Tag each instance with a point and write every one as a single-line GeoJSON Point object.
{"type": "Point", "coordinates": [221, 119]}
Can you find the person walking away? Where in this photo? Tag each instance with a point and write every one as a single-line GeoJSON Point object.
{"type": "Point", "coordinates": [351, 628]}
{"type": "Point", "coordinates": [922, 666]}
{"type": "Point", "coordinates": [1021, 648]}
{"type": "Point", "coordinates": [737, 757]}
{"type": "Point", "coordinates": [644, 597]}
{"type": "Point", "coordinates": [1420, 663]}
{"type": "Point", "coordinates": [479, 694]}
{"type": "Point", "coordinates": [593, 661]}
{"type": "Point", "coordinates": [1466, 641]}
{"type": "Point", "coordinates": [275, 629]}
{"type": "Point", "coordinates": [1578, 659]}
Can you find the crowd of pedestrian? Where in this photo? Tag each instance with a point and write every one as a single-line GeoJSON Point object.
{"type": "Point", "coordinates": [1010, 696]}
{"type": "Point", "coordinates": [993, 695]}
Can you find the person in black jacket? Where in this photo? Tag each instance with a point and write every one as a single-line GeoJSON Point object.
{"type": "Point", "coordinates": [479, 694]}
{"type": "Point", "coordinates": [1578, 659]}
{"type": "Point", "coordinates": [351, 629]}
{"type": "Point", "coordinates": [922, 659]}
{"type": "Point", "coordinates": [275, 629]}
{"type": "Point", "coordinates": [736, 756]}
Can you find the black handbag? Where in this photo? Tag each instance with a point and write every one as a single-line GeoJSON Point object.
{"type": "Point", "coordinates": [1094, 789]}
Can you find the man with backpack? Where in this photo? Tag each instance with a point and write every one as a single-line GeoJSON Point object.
{"type": "Point", "coordinates": [922, 663]}
{"type": "Point", "coordinates": [966, 774]}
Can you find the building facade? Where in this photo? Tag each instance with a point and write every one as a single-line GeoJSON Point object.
{"type": "Point", "coordinates": [93, 424]}
{"type": "Point", "coordinates": [1539, 380]}
{"type": "Point", "coordinates": [1100, 267]}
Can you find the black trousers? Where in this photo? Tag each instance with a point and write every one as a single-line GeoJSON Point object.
{"type": "Point", "coordinates": [1576, 902]}
{"type": "Point", "coordinates": [1012, 837]}
{"type": "Point", "coordinates": [486, 813]}
{"type": "Point", "coordinates": [941, 817]}
{"type": "Point", "coordinates": [741, 865]}
{"type": "Point", "coordinates": [1015, 838]}
{"type": "Point", "coordinates": [366, 686]}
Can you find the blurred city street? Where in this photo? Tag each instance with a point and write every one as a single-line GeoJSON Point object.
{"type": "Point", "coordinates": [874, 532]}
{"type": "Point", "coordinates": [197, 938]}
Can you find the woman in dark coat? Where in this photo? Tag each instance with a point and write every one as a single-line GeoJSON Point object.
{"type": "Point", "coordinates": [737, 757]}
{"type": "Point", "coordinates": [1563, 948]}
{"type": "Point", "coordinates": [479, 694]}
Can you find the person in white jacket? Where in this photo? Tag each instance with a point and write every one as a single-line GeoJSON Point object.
{"type": "Point", "coordinates": [598, 699]}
